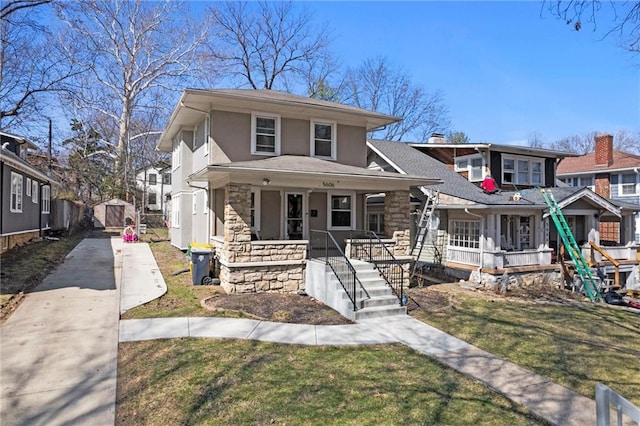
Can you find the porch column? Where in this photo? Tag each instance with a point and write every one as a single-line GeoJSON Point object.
{"type": "Point", "coordinates": [237, 223]}
{"type": "Point", "coordinates": [626, 229]}
{"type": "Point", "coordinates": [397, 221]}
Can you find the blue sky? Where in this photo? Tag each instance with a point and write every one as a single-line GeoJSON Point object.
{"type": "Point", "coordinates": [505, 71]}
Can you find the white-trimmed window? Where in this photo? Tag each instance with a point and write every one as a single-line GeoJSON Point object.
{"type": "Point", "coordinates": [175, 211]}
{"type": "Point", "coordinates": [152, 199]}
{"type": "Point", "coordinates": [28, 188]}
{"type": "Point", "coordinates": [153, 178]}
{"type": "Point", "coordinates": [166, 178]}
{"type": "Point", "coordinates": [323, 139]}
{"type": "Point", "coordinates": [175, 155]}
{"type": "Point", "coordinates": [341, 214]}
{"type": "Point", "coordinates": [375, 222]}
{"type": "Point", "coordinates": [522, 170]}
{"type": "Point", "coordinates": [34, 191]}
{"type": "Point", "coordinates": [628, 185]}
{"type": "Point", "coordinates": [465, 233]}
{"type": "Point", "coordinates": [207, 133]}
{"type": "Point", "coordinates": [472, 164]}
{"type": "Point", "coordinates": [579, 181]}
{"type": "Point", "coordinates": [16, 193]}
{"type": "Point", "coordinates": [255, 209]}
{"type": "Point", "coordinates": [46, 199]}
{"type": "Point", "coordinates": [265, 134]}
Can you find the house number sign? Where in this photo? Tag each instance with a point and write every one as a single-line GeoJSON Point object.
{"type": "Point", "coordinates": [328, 184]}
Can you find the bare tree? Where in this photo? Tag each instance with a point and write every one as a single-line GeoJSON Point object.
{"type": "Point", "coordinates": [625, 21]}
{"type": "Point", "coordinates": [457, 137]}
{"type": "Point", "coordinates": [535, 140]}
{"type": "Point", "coordinates": [30, 63]}
{"type": "Point", "coordinates": [580, 144]}
{"type": "Point", "coordinates": [263, 44]}
{"type": "Point", "coordinates": [135, 51]}
{"type": "Point", "coordinates": [377, 86]}
{"type": "Point", "coordinates": [627, 141]}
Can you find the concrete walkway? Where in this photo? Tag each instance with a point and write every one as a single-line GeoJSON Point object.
{"type": "Point", "coordinates": [59, 349]}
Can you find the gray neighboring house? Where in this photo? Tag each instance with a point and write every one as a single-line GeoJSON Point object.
{"type": "Point", "coordinates": [25, 194]}
{"type": "Point", "coordinates": [480, 236]}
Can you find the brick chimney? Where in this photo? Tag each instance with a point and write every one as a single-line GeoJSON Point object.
{"type": "Point", "coordinates": [604, 150]}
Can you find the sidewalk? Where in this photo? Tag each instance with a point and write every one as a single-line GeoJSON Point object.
{"type": "Point", "coordinates": [59, 349]}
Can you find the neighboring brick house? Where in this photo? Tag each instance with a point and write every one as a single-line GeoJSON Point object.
{"type": "Point", "coordinates": [479, 235]}
{"type": "Point", "coordinates": [610, 173]}
{"type": "Point", "coordinates": [262, 174]}
{"type": "Point", "coordinates": [25, 192]}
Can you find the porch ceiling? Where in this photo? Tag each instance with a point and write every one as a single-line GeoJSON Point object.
{"type": "Point", "coordinates": [306, 172]}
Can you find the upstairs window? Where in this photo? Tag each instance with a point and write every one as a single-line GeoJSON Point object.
{"type": "Point", "coordinates": [16, 193]}
{"type": "Point", "coordinates": [152, 199]}
{"type": "Point", "coordinates": [166, 178]}
{"type": "Point", "coordinates": [152, 178]}
{"type": "Point", "coordinates": [472, 164]}
{"type": "Point", "coordinates": [323, 139]}
{"type": "Point", "coordinates": [522, 171]}
{"type": "Point", "coordinates": [265, 134]}
{"type": "Point", "coordinates": [628, 184]}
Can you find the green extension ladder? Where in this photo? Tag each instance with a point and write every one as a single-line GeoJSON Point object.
{"type": "Point", "coordinates": [582, 268]}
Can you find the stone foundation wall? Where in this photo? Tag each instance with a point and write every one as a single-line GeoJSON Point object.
{"type": "Point", "coordinates": [519, 280]}
{"type": "Point", "coordinates": [397, 221]}
{"type": "Point", "coordinates": [272, 251]}
{"type": "Point", "coordinates": [252, 279]}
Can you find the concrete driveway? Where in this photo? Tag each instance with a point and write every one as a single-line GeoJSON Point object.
{"type": "Point", "coordinates": [59, 348]}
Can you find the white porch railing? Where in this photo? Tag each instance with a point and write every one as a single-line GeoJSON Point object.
{"type": "Point", "coordinates": [520, 258]}
{"type": "Point", "coordinates": [499, 258]}
{"type": "Point", "coordinates": [463, 255]}
{"type": "Point", "coordinates": [617, 252]}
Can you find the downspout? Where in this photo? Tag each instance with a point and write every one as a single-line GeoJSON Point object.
{"type": "Point", "coordinates": [466, 210]}
{"type": "Point", "coordinates": [40, 210]}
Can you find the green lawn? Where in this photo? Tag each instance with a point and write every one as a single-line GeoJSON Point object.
{"type": "Point", "coordinates": [216, 382]}
{"type": "Point", "coordinates": [575, 345]}
{"type": "Point", "coordinates": [182, 297]}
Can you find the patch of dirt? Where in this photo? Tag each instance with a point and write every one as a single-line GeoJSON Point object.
{"type": "Point", "coordinates": [290, 308]}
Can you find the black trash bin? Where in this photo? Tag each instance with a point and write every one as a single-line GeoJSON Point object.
{"type": "Point", "coordinates": [200, 259]}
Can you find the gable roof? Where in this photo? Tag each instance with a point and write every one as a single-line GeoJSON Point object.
{"type": "Point", "coordinates": [587, 164]}
{"type": "Point", "coordinates": [405, 159]}
{"type": "Point", "coordinates": [194, 102]}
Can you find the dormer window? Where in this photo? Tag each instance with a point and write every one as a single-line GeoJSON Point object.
{"type": "Point", "coordinates": [472, 164]}
{"type": "Point", "coordinates": [522, 170]}
{"type": "Point", "coordinates": [265, 134]}
{"type": "Point", "coordinates": [323, 139]}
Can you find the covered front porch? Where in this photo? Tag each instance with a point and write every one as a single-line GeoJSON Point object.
{"type": "Point", "coordinates": [264, 213]}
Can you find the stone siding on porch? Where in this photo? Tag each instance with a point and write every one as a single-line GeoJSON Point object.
{"type": "Point", "coordinates": [250, 266]}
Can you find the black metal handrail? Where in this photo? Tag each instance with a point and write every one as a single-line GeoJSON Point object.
{"type": "Point", "coordinates": [324, 247]}
{"type": "Point", "coordinates": [383, 260]}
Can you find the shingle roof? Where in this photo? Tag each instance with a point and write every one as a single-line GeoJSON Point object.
{"type": "Point", "coordinates": [414, 162]}
{"type": "Point", "coordinates": [587, 163]}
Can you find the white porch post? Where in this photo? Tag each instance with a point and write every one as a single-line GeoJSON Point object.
{"type": "Point", "coordinates": [594, 228]}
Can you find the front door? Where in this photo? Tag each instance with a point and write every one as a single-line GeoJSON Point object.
{"type": "Point", "coordinates": [294, 221]}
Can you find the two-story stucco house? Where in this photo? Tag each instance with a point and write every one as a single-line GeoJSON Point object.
{"type": "Point", "coordinates": [480, 235]}
{"type": "Point", "coordinates": [612, 174]}
{"type": "Point", "coordinates": [271, 178]}
{"type": "Point", "coordinates": [25, 192]}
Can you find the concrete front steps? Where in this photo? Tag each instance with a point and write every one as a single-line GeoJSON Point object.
{"type": "Point", "coordinates": [324, 285]}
